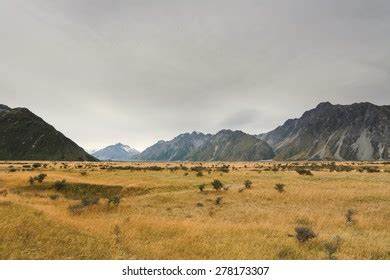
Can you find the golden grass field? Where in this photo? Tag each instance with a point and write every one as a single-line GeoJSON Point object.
{"type": "Point", "coordinates": [163, 214]}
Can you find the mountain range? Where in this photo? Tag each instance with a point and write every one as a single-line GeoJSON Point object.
{"type": "Point", "coordinates": [117, 152]}
{"type": "Point", "coordinates": [25, 136]}
{"type": "Point", "coordinates": [360, 131]}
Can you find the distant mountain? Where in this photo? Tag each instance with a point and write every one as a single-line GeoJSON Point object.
{"type": "Point", "coordinates": [176, 149]}
{"type": "Point", "coordinates": [228, 145]}
{"type": "Point", "coordinates": [360, 131]}
{"type": "Point", "coordinates": [117, 152]}
{"type": "Point", "coordinates": [25, 136]}
{"type": "Point", "coordinates": [223, 146]}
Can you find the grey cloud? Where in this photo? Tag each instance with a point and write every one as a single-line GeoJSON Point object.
{"type": "Point", "coordinates": [139, 71]}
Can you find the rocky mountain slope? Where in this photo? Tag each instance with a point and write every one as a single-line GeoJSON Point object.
{"type": "Point", "coordinates": [117, 152]}
{"type": "Point", "coordinates": [360, 131]}
{"type": "Point", "coordinates": [223, 146]}
{"type": "Point", "coordinates": [176, 149]}
{"type": "Point", "coordinates": [25, 136]}
{"type": "Point", "coordinates": [228, 145]}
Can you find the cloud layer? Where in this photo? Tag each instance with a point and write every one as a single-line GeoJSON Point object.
{"type": "Point", "coordinates": [139, 71]}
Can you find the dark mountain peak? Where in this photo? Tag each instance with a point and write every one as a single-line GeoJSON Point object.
{"type": "Point", "coordinates": [229, 145]}
{"type": "Point", "coordinates": [360, 131]}
{"type": "Point", "coordinates": [26, 136]}
{"type": "Point", "coordinates": [230, 132]}
{"type": "Point", "coordinates": [325, 104]}
{"type": "Point", "coordinates": [4, 108]}
{"type": "Point", "coordinates": [176, 149]}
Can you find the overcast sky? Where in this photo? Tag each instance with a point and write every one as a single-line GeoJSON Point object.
{"type": "Point", "coordinates": [108, 71]}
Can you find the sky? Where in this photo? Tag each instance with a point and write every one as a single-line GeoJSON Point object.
{"type": "Point", "coordinates": [139, 71]}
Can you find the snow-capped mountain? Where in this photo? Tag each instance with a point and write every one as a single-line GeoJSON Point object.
{"type": "Point", "coordinates": [117, 152]}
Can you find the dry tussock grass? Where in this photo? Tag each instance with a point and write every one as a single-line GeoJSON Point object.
{"type": "Point", "coordinates": [159, 216]}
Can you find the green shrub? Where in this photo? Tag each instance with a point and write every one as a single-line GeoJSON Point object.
{"type": "Point", "coordinates": [248, 184]}
{"type": "Point", "coordinates": [280, 187]}
{"type": "Point", "coordinates": [115, 200]}
{"type": "Point", "coordinates": [217, 184]}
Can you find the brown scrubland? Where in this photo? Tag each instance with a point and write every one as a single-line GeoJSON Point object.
{"type": "Point", "coordinates": [194, 210]}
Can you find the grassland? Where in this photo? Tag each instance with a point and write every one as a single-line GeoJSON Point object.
{"type": "Point", "coordinates": [162, 214]}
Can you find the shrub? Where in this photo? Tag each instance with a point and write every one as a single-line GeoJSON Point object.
{"type": "Point", "coordinates": [4, 192]}
{"type": "Point", "coordinates": [76, 209]}
{"type": "Point", "coordinates": [88, 201]}
{"type": "Point", "coordinates": [54, 196]}
{"type": "Point", "coordinates": [83, 173]}
{"type": "Point", "coordinates": [199, 204]}
{"type": "Point", "coordinates": [31, 180]}
{"type": "Point", "coordinates": [40, 177]}
{"type": "Point", "coordinates": [202, 187]}
{"type": "Point", "coordinates": [115, 200]}
{"type": "Point", "coordinates": [248, 184]}
{"type": "Point", "coordinates": [186, 174]}
{"type": "Point", "coordinates": [12, 170]}
{"type": "Point", "coordinates": [349, 217]}
{"type": "Point", "coordinates": [217, 184]}
{"type": "Point", "coordinates": [36, 165]}
{"type": "Point", "coordinates": [59, 185]}
{"type": "Point", "coordinates": [332, 247]}
{"type": "Point", "coordinates": [117, 233]}
{"type": "Point", "coordinates": [280, 187]}
{"type": "Point", "coordinates": [303, 234]}
{"type": "Point", "coordinates": [302, 171]}
{"type": "Point", "coordinates": [218, 200]}
{"type": "Point", "coordinates": [199, 174]}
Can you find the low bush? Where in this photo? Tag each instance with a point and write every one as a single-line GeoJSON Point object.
{"type": "Point", "coordinates": [248, 184]}
{"type": "Point", "coordinates": [217, 184]}
{"type": "Point", "coordinates": [218, 200]}
{"type": "Point", "coordinates": [303, 234]}
{"type": "Point", "coordinates": [114, 200]}
{"type": "Point", "coordinates": [332, 247]}
{"type": "Point", "coordinates": [302, 171]}
{"type": "Point", "coordinates": [349, 217]}
{"type": "Point", "coordinates": [280, 187]}
{"type": "Point", "coordinates": [202, 187]}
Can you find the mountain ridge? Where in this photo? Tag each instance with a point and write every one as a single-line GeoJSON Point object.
{"type": "Point", "coordinates": [116, 152]}
{"type": "Point", "coordinates": [26, 136]}
{"type": "Point", "coordinates": [360, 131]}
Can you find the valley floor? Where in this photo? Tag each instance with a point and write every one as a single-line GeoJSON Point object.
{"type": "Point", "coordinates": [158, 210]}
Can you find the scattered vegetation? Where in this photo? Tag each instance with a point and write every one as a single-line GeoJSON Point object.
{"type": "Point", "coordinates": [248, 184]}
{"type": "Point", "coordinates": [349, 217]}
{"type": "Point", "coordinates": [303, 234]}
{"type": "Point", "coordinates": [217, 184]}
{"type": "Point", "coordinates": [202, 187]}
{"type": "Point", "coordinates": [280, 187]}
{"type": "Point", "coordinates": [218, 200]}
{"type": "Point", "coordinates": [302, 171]}
{"type": "Point", "coordinates": [332, 247]}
